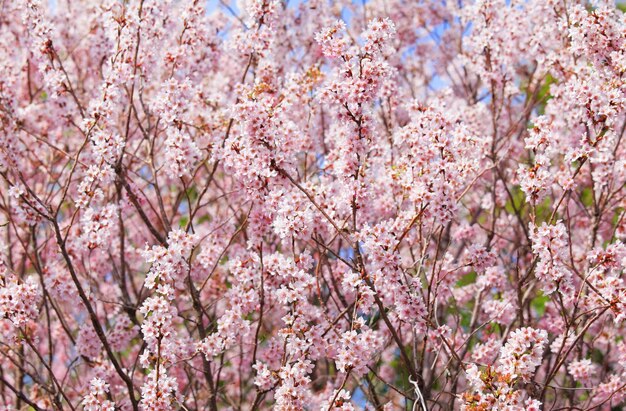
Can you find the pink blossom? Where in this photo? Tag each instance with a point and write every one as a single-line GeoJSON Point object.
{"type": "Point", "coordinates": [95, 400]}
{"type": "Point", "coordinates": [312, 205]}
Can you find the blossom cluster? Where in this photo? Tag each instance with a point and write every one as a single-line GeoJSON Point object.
{"type": "Point", "coordinates": [312, 205]}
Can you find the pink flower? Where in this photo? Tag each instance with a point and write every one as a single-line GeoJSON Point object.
{"type": "Point", "coordinates": [95, 400]}
{"type": "Point", "coordinates": [522, 353]}
{"type": "Point", "coordinates": [18, 300]}
{"type": "Point", "coordinates": [582, 370]}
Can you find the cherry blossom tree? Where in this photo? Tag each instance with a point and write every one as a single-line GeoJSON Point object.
{"type": "Point", "coordinates": [312, 205]}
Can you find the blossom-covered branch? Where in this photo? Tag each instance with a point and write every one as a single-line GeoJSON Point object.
{"type": "Point", "coordinates": [312, 205]}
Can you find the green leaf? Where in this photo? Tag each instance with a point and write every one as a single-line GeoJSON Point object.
{"type": "Point", "coordinates": [616, 216]}
{"type": "Point", "coordinates": [494, 329]}
{"type": "Point", "coordinates": [519, 199]}
{"type": "Point", "coordinates": [204, 219]}
{"type": "Point", "coordinates": [597, 356]}
{"type": "Point", "coordinates": [183, 221]}
{"type": "Point", "coordinates": [586, 197]}
{"type": "Point", "coordinates": [539, 304]}
{"type": "Point", "coordinates": [543, 211]}
{"type": "Point", "coordinates": [192, 193]}
{"type": "Point", "coordinates": [467, 279]}
{"type": "Point", "coordinates": [544, 94]}
{"type": "Point", "coordinates": [466, 318]}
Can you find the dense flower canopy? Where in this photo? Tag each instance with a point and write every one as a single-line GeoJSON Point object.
{"type": "Point", "coordinates": [312, 205]}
